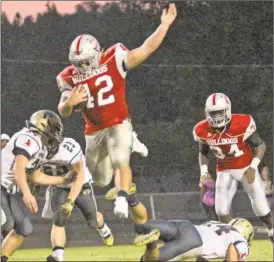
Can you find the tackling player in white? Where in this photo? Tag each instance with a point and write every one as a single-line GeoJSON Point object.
{"type": "Point", "coordinates": [21, 160]}
{"type": "Point", "coordinates": [69, 157]}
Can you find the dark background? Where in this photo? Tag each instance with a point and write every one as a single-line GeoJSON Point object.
{"type": "Point", "coordinates": [212, 47]}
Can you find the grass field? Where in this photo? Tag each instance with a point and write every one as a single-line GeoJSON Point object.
{"type": "Point", "coordinates": [261, 250]}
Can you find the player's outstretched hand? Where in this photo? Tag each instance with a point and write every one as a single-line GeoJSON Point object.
{"type": "Point", "coordinates": [121, 207]}
{"type": "Point", "coordinates": [249, 175]}
{"type": "Point", "coordinates": [30, 202]}
{"type": "Point", "coordinates": [78, 95]}
{"type": "Point", "coordinates": [70, 177]}
{"type": "Point", "coordinates": [169, 15]}
{"type": "Point", "coordinates": [67, 207]}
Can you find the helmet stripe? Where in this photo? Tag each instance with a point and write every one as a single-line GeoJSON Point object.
{"type": "Point", "coordinates": [214, 99]}
{"type": "Point", "coordinates": [78, 45]}
{"type": "Point", "coordinates": [226, 99]}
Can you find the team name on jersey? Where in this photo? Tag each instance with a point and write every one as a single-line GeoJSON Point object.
{"type": "Point", "coordinates": [222, 141]}
{"type": "Point", "coordinates": [81, 78]}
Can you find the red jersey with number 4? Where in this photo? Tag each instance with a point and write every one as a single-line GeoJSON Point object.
{"type": "Point", "coordinates": [229, 147]}
{"type": "Point", "coordinates": [106, 104]}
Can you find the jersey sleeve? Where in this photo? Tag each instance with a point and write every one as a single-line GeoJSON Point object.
{"type": "Point", "coordinates": [242, 248]}
{"type": "Point", "coordinates": [198, 133]}
{"type": "Point", "coordinates": [63, 85]}
{"type": "Point", "coordinates": [121, 59]}
{"type": "Point", "coordinates": [250, 129]}
{"type": "Point", "coordinates": [241, 245]}
{"type": "Point", "coordinates": [73, 150]}
{"type": "Point", "coordinates": [26, 145]}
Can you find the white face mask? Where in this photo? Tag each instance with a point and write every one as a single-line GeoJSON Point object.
{"type": "Point", "coordinates": [217, 118]}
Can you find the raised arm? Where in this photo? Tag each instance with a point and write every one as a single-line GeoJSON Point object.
{"type": "Point", "coordinates": [138, 55]}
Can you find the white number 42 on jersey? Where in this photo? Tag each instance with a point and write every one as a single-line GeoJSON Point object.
{"type": "Point", "coordinates": [101, 100]}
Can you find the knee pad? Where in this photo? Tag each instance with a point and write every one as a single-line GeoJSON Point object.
{"type": "Point", "coordinates": [120, 161]}
{"type": "Point", "coordinates": [92, 221]}
{"type": "Point", "coordinates": [59, 220]}
{"type": "Point", "coordinates": [3, 217]}
{"type": "Point", "coordinates": [25, 227]}
{"type": "Point", "coordinates": [8, 226]}
{"type": "Point", "coordinates": [222, 209]}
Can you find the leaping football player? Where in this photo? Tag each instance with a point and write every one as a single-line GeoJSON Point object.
{"type": "Point", "coordinates": [232, 138]}
{"type": "Point", "coordinates": [95, 84]}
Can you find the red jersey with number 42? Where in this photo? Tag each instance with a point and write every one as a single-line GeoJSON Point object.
{"type": "Point", "coordinates": [106, 104]}
{"type": "Point", "coordinates": [229, 147]}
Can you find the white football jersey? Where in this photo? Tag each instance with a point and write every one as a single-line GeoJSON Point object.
{"type": "Point", "coordinates": [69, 153]}
{"type": "Point", "coordinates": [24, 143]}
{"type": "Point", "coordinates": [217, 237]}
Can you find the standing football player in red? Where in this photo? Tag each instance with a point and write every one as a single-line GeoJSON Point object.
{"type": "Point", "coordinates": [95, 84]}
{"type": "Point", "coordinates": [231, 137]}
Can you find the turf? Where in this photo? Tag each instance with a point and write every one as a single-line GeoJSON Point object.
{"type": "Point", "coordinates": [261, 250]}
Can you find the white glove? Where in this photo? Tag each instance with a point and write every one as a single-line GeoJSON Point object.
{"type": "Point", "coordinates": [121, 207]}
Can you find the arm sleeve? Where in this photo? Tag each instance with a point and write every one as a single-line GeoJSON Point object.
{"type": "Point", "coordinates": [26, 145]}
{"type": "Point", "coordinates": [254, 139]}
{"type": "Point", "coordinates": [62, 84]}
{"type": "Point", "coordinates": [251, 128]}
{"type": "Point", "coordinates": [121, 59]}
{"type": "Point", "coordinates": [204, 148]}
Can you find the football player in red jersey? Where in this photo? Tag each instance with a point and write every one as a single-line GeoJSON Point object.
{"type": "Point", "coordinates": [95, 84]}
{"type": "Point", "coordinates": [231, 137]}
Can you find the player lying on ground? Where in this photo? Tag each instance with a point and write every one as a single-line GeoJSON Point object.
{"type": "Point", "coordinates": [183, 240]}
{"type": "Point", "coordinates": [231, 137]}
{"type": "Point", "coordinates": [22, 157]}
{"type": "Point", "coordinates": [95, 83]}
{"type": "Point", "coordinates": [69, 157]}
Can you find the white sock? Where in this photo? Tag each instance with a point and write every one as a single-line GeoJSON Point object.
{"type": "Point", "coordinates": [270, 232]}
{"type": "Point", "coordinates": [104, 231]}
{"type": "Point", "coordinates": [59, 253]}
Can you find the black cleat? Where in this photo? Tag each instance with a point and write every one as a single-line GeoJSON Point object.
{"type": "Point", "coordinates": [52, 258]}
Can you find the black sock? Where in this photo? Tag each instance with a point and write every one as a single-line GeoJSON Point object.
{"type": "Point", "coordinates": [57, 247]}
{"type": "Point", "coordinates": [133, 200]}
{"type": "Point", "coordinates": [101, 226]}
{"type": "Point", "coordinates": [4, 258]}
{"type": "Point", "coordinates": [123, 193]}
{"type": "Point", "coordinates": [151, 246]}
{"type": "Point", "coordinates": [267, 220]}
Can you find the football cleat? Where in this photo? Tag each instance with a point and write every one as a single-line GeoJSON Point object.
{"type": "Point", "coordinates": [138, 146]}
{"type": "Point", "coordinates": [52, 258]}
{"type": "Point", "coordinates": [113, 192]}
{"type": "Point", "coordinates": [145, 239]}
{"type": "Point", "coordinates": [109, 240]}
